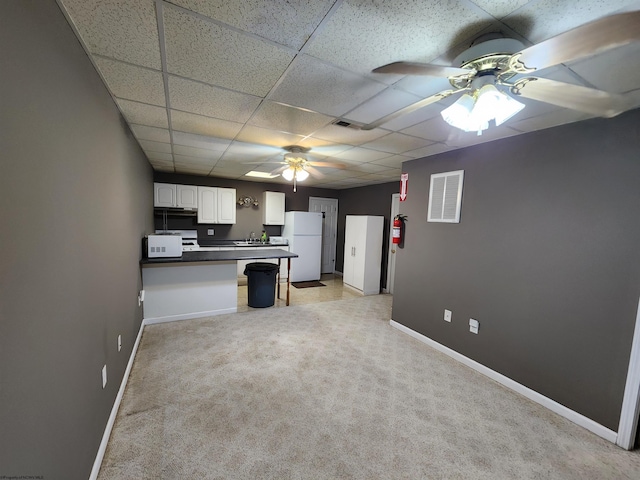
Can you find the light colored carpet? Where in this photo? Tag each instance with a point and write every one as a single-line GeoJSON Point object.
{"type": "Point", "coordinates": [331, 391]}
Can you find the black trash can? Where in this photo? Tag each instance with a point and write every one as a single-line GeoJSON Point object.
{"type": "Point", "coordinates": [261, 283]}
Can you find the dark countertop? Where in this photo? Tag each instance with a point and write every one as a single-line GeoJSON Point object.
{"type": "Point", "coordinates": [224, 256]}
{"type": "Point", "coordinates": [232, 243]}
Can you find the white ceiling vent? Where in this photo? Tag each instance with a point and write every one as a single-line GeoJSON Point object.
{"type": "Point", "coordinates": [445, 197]}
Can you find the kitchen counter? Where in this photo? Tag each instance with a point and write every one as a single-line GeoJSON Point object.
{"type": "Point", "coordinates": [221, 256]}
{"type": "Point", "coordinates": [198, 284]}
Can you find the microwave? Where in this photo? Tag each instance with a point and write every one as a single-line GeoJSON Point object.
{"type": "Point", "coordinates": [164, 246]}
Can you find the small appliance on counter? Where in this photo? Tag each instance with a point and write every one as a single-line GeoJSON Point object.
{"type": "Point", "coordinates": [278, 241]}
{"type": "Point", "coordinates": [189, 238]}
{"type": "Point", "coordinates": [163, 245]}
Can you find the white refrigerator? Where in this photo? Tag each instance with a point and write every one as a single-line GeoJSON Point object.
{"type": "Point", "coordinates": [303, 231]}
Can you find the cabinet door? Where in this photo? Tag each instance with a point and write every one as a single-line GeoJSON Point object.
{"type": "Point", "coordinates": [226, 205]}
{"type": "Point", "coordinates": [164, 195]}
{"type": "Point", "coordinates": [207, 205]}
{"type": "Point", "coordinates": [187, 196]}
{"type": "Point", "coordinates": [273, 208]}
{"type": "Point", "coordinates": [349, 248]}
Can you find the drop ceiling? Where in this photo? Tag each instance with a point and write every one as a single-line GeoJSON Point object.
{"type": "Point", "coordinates": [218, 88]}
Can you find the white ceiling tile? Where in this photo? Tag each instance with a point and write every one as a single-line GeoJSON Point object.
{"type": "Point", "coordinates": [200, 141]}
{"type": "Point", "coordinates": [124, 30]}
{"type": "Point", "coordinates": [198, 124]}
{"type": "Point", "coordinates": [386, 102]}
{"type": "Point", "coordinates": [358, 154]}
{"type": "Point", "coordinates": [280, 117]}
{"type": "Point", "coordinates": [217, 55]}
{"type": "Point", "coordinates": [553, 119]}
{"type": "Point", "coordinates": [196, 152]}
{"type": "Point", "coordinates": [348, 136]}
{"type": "Point", "coordinates": [394, 161]}
{"type": "Point", "coordinates": [430, 150]}
{"type": "Point", "coordinates": [500, 8]}
{"type": "Point", "coordinates": [367, 168]}
{"type": "Point", "coordinates": [435, 129]}
{"type": "Point", "coordinates": [324, 88]}
{"type": "Point", "coordinates": [196, 97]}
{"type": "Point", "coordinates": [264, 136]}
{"type": "Point", "coordinates": [150, 146]}
{"type": "Point", "coordinates": [143, 132]}
{"type": "Point", "coordinates": [397, 143]}
{"type": "Point", "coordinates": [364, 34]}
{"type": "Point", "coordinates": [195, 161]}
{"type": "Point", "coordinates": [159, 157]}
{"type": "Point", "coordinates": [283, 21]}
{"type": "Point", "coordinates": [143, 114]}
{"type": "Point", "coordinates": [254, 150]}
{"type": "Point", "coordinates": [417, 116]}
{"type": "Point", "coordinates": [552, 17]}
{"type": "Point", "coordinates": [131, 82]}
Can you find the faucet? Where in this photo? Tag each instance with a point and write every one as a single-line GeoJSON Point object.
{"type": "Point", "coordinates": [252, 237]}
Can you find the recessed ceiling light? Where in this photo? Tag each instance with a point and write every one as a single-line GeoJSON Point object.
{"type": "Point", "coordinates": [260, 174]}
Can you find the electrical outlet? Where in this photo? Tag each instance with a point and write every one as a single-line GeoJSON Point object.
{"type": "Point", "coordinates": [210, 231]}
{"type": "Point", "coordinates": [119, 342]}
{"type": "Point", "coordinates": [474, 325]}
{"type": "Point", "coordinates": [104, 376]}
{"type": "Point", "coordinates": [447, 315]}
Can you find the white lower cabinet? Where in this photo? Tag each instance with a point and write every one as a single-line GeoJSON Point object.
{"type": "Point", "coordinates": [363, 253]}
{"type": "Point", "coordinates": [216, 205]}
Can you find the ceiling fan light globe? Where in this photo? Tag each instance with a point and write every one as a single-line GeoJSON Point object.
{"type": "Point", "coordinates": [458, 113]}
{"type": "Point", "coordinates": [288, 174]}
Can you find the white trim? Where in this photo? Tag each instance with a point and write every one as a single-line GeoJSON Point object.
{"type": "Point", "coordinates": [631, 399]}
{"type": "Point", "coordinates": [114, 410]}
{"type": "Point", "coordinates": [188, 316]}
{"type": "Point", "coordinates": [567, 413]}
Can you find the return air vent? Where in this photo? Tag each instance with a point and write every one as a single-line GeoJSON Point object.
{"type": "Point", "coordinates": [445, 197]}
{"type": "Point", "coordinates": [346, 124]}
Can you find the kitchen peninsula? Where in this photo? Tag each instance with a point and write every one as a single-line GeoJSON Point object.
{"type": "Point", "coordinates": [198, 284]}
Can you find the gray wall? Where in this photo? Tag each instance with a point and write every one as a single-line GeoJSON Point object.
{"type": "Point", "coordinates": [546, 257]}
{"type": "Point", "coordinates": [248, 219]}
{"type": "Point", "coordinates": [76, 199]}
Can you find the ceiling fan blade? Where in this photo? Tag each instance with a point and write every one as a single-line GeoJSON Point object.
{"type": "Point", "coordinates": [595, 37]}
{"type": "Point", "coordinates": [411, 68]}
{"type": "Point", "coordinates": [566, 95]}
{"type": "Point", "coordinates": [341, 166]}
{"type": "Point", "coordinates": [278, 171]}
{"type": "Point", "coordinates": [410, 108]}
{"type": "Point", "coordinates": [313, 171]}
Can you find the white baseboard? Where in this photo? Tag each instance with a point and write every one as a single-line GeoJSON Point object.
{"type": "Point", "coordinates": [561, 410]}
{"type": "Point", "coordinates": [116, 405]}
{"type": "Point", "coordinates": [187, 316]}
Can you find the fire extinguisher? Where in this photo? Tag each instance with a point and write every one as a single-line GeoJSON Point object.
{"type": "Point", "coordinates": [398, 227]}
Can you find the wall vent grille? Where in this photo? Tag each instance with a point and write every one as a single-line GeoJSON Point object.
{"type": "Point", "coordinates": [445, 197]}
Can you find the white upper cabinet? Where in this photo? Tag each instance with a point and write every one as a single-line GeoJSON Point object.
{"type": "Point", "coordinates": [207, 205]}
{"type": "Point", "coordinates": [227, 205]}
{"type": "Point", "coordinates": [187, 196]}
{"type": "Point", "coordinates": [164, 195]}
{"type": "Point", "coordinates": [273, 208]}
{"type": "Point", "coordinates": [168, 195]}
{"type": "Point", "coordinates": [216, 205]}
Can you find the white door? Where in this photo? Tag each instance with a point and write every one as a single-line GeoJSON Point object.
{"type": "Point", "coordinates": [329, 209]}
{"type": "Point", "coordinates": [391, 263]}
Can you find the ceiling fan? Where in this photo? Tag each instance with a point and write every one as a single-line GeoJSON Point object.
{"type": "Point", "coordinates": [486, 71]}
{"type": "Point", "coordinates": [296, 167]}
